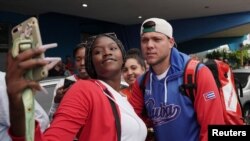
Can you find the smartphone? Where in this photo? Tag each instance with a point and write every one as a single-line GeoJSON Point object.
{"type": "Point", "coordinates": [67, 83]}
{"type": "Point", "coordinates": [26, 35]}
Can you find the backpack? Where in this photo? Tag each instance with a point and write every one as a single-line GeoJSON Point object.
{"type": "Point", "coordinates": [225, 81]}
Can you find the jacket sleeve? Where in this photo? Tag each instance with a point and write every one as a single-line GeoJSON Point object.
{"type": "Point", "coordinates": [38, 134]}
{"type": "Point", "coordinates": [207, 102]}
{"type": "Point", "coordinates": [136, 99]}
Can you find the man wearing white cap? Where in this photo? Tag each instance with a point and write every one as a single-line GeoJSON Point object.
{"type": "Point", "coordinates": [174, 116]}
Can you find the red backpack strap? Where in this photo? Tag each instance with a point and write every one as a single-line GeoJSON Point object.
{"type": "Point", "coordinates": [189, 78]}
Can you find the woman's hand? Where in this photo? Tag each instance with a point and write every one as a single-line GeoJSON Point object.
{"type": "Point", "coordinates": [16, 83]}
{"type": "Point", "coordinates": [16, 68]}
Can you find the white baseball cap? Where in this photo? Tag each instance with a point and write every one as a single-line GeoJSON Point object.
{"type": "Point", "coordinates": [157, 25]}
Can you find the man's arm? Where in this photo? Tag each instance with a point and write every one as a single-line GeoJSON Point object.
{"type": "Point", "coordinates": [209, 109]}
{"type": "Point", "coordinates": [137, 99]}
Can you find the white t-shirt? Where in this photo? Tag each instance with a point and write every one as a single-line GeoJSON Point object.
{"type": "Point", "coordinates": [132, 127]}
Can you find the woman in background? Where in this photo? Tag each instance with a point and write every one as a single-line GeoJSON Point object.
{"type": "Point", "coordinates": [134, 66]}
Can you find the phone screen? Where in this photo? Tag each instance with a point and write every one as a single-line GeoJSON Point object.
{"type": "Point", "coordinates": [67, 83]}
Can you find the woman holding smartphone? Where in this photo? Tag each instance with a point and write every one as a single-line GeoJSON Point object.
{"type": "Point", "coordinates": [91, 109]}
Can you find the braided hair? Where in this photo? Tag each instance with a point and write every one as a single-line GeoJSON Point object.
{"type": "Point", "coordinates": [88, 57]}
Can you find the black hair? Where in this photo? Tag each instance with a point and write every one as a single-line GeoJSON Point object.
{"type": "Point", "coordinates": [78, 46]}
{"type": "Point", "coordinates": [148, 24]}
{"type": "Point", "coordinates": [135, 53]}
{"type": "Point", "coordinates": [88, 57]}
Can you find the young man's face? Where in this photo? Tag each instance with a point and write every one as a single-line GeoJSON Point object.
{"type": "Point", "coordinates": [156, 47]}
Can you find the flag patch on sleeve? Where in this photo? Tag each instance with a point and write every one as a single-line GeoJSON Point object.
{"type": "Point", "coordinates": [209, 95]}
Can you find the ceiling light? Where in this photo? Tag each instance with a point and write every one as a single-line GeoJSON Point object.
{"type": "Point", "coordinates": [84, 5]}
{"type": "Point", "coordinates": [139, 17]}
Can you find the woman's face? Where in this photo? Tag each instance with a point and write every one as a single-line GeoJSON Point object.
{"type": "Point", "coordinates": [107, 57]}
{"type": "Point", "coordinates": [80, 63]}
{"type": "Point", "coordinates": [131, 70]}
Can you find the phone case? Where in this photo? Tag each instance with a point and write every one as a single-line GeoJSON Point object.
{"type": "Point", "coordinates": [26, 36]}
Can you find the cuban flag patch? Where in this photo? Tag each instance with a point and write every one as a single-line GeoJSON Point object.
{"type": "Point", "coordinates": [209, 96]}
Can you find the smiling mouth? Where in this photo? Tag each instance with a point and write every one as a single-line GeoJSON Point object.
{"type": "Point", "coordinates": [131, 79]}
{"type": "Point", "coordinates": [82, 69]}
{"type": "Point", "coordinates": [108, 60]}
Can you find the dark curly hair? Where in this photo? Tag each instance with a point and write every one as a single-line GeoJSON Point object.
{"type": "Point", "coordinates": [88, 57]}
{"type": "Point", "coordinates": [78, 46]}
{"type": "Point", "coordinates": [135, 54]}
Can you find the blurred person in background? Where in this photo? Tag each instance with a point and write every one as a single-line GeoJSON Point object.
{"type": "Point", "coordinates": [133, 67]}
{"type": "Point", "coordinates": [61, 89]}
